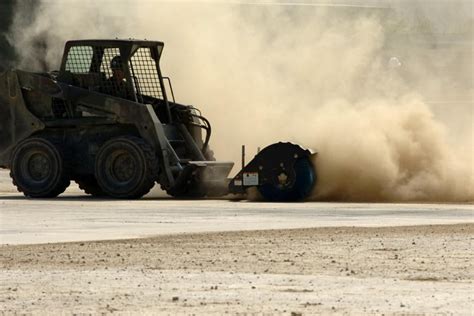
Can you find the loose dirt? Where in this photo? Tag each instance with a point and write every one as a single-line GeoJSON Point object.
{"type": "Point", "coordinates": [390, 270]}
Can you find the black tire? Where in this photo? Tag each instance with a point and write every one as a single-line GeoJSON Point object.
{"type": "Point", "coordinates": [89, 185]}
{"type": "Point", "coordinates": [304, 183]}
{"type": "Point", "coordinates": [38, 168]}
{"type": "Point", "coordinates": [126, 168]}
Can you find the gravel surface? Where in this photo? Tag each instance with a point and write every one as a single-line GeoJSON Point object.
{"type": "Point", "coordinates": [80, 218]}
{"type": "Point", "coordinates": [384, 270]}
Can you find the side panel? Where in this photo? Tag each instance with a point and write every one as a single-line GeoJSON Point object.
{"type": "Point", "coordinates": [143, 117]}
{"type": "Point", "coordinates": [16, 121]}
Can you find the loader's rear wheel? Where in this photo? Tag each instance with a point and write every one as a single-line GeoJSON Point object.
{"type": "Point", "coordinates": [305, 179]}
{"type": "Point", "coordinates": [38, 168]}
{"type": "Point", "coordinates": [89, 185]}
{"type": "Point", "coordinates": [126, 168]}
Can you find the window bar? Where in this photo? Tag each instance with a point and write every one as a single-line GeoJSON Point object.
{"type": "Point", "coordinates": [137, 84]}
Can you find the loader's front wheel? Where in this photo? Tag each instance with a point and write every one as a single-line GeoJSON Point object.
{"type": "Point", "coordinates": [126, 168]}
{"type": "Point", "coordinates": [191, 190]}
{"type": "Point", "coordinates": [38, 168]}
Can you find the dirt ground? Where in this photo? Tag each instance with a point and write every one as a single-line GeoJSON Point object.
{"type": "Point", "coordinates": [391, 270]}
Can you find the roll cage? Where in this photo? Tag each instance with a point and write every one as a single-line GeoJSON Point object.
{"type": "Point", "coordinates": [86, 63]}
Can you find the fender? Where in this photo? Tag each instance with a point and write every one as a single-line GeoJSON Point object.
{"type": "Point", "coordinates": [16, 121]}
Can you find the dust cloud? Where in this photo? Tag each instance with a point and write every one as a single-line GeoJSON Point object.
{"type": "Point", "coordinates": [383, 93]}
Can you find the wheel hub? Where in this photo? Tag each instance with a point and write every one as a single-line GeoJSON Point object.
{"type": "Point", "coordinates": [39, 166]}
{"type": "Point", "coordinates": [283, 179]}
{"type": "Point", "coordinates": [123, 167]}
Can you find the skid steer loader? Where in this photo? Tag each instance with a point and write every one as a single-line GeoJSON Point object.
{"type": "Point", "coordinates": [109, 121]}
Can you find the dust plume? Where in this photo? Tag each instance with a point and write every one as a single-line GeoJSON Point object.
{"type": "Point", "coordinates": [383, 93]}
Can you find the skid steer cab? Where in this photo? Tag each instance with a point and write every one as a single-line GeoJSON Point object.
{"type": "Point", "coordinates": [106, 121]}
